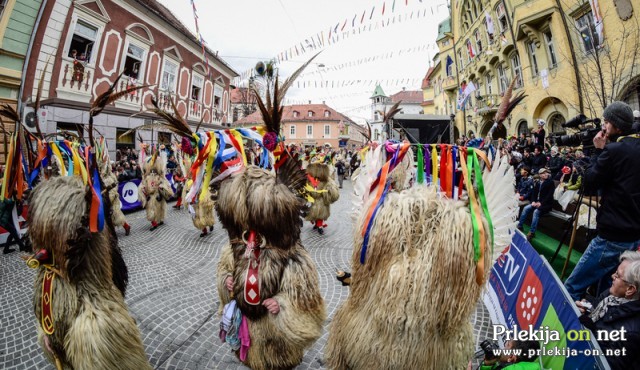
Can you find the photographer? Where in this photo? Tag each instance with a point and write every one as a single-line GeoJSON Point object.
{"type": "Point", "coordinates": [613, 172]}
{"type": "Point", "coordinates": [523, 361]}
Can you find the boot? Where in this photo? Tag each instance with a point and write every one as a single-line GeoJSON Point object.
{"type": "Point", "coordinates": [7, 250]}
{"type": "Point", "coordinates": [154, 225]}
{"type": "Point", "coordinates": [530, 236]}
{"type": "Point", "coordinates": [203, 233]}
{"type": "Point", "coordinates": [210, 228]}
{"type": "Point", "coordinates": [127, 229]}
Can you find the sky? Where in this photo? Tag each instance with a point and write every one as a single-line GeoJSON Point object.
{"type": "Point", "coordinates": [393, 49]}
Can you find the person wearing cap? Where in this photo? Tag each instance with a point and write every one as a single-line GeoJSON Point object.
{"type": "Point", "coordinates": [541, 202]}
{"type": "Point", "coordinates": [613, 172]}
{"type": "Point", "coordinates": [556, 162]}
{"type": "Point", "coordinates": [524, 187]}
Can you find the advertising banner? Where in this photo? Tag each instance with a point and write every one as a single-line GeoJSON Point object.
{"type": "Point", "coordinates": [128, 192]}
{"type": "Point", "coordinates": [525, 297]}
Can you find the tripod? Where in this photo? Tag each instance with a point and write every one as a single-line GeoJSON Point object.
{"type": "Point", "coordinates": [573, 220]}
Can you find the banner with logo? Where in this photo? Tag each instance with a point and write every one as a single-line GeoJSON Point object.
{"type": "Point", "coordinates": [128, 192]}
{"type": "Point", "coordinates": [4, 234]}
{"type": "Point", "coordinates": [524, 290]}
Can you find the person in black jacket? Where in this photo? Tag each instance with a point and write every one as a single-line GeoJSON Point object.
{"type": "Point", "coordinates": [556, 162]}
{"type": "Point", "coordinates": [616, 310]}
{"type": "Point", "coordinates": [614, 172]}
{"type": "Point", "coordinates": [538, 160]}
{"type": "Point", "coordinates": [541, 202]}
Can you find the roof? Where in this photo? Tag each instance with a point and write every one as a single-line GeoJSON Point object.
{"type": "Point", "coordinates": [303, 110]}
{"type": "Point", "coordinates": [426, 82]}
{"type": "Point", "coordinates": [407, 97]}
{"type": "Point", "coordinates": [161, 11]}
{"type": "Point", "coordinates": [444, 28]}
{"type": "Point", "coordinates": [378, 92]}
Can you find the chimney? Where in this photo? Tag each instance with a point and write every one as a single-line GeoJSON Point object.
{"type": "Point", "coordinates": [404, 88]}
{"type": "Point", "coordinates": [309, 101]}
{"type": "Point", "coordinates": [323, 103]}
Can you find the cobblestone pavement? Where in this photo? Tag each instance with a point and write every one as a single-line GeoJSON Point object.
{"type": "Point", "coordinates": [172, 293]}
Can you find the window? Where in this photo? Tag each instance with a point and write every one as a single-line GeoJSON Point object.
{"type": "Point", "coordinates": [169, 73]}
{"type": "Point", "coordinates": [327, 113]}
{"type": "Point", "coordinates": [489, 81]}
{"type": "Point", "coordinates": [531, 48]}
{"type": "Point", "coordinates": [502, 17]}
{"type": "Point", "coordinates": [327, 131]}
{"type": "Point", "coordinates": [66, 131]}
{"type": "Point", "coordinates": [217, 97]}
{"type": "Point", "coordinates": [292, 131]}
{"type": "Point", "coordinates": [517, 70]}
{"type": "Point", "coordinates": [296, 114]}
{"type": "Point", "coordinates": [3, 4]}
{"type": "Point", "coordinates": [548, 38]}
{"type": "Point", "coordinates": [478, 41]}
{"type": "Point", "coordinates": [556, 121]}
{"type": "Point", "coordinates": [522, 127]}
{"type": "Point", "coordinates": [310, 113]}
{"type": "Point", "coordinates": [197, 82]}
{"type": "Point", "coordinates": [134, 61]}
{"type": "Point", "coordinates": [309, 130]}
{"type": "Point", "coordinates": [126, 141]}
{"type": "Point", "coordinates": [460, 62]}
{"type": "Point", "coordinates": [587, 30]}
{"type": "Point", "coordinates": [502, 79]}
{"type": "Point", "coordinates": [82, 42]}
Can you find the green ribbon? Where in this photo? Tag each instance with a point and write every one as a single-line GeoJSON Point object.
{"type": "Point", "coordinates": [476, 229]}
{"type": "Point", "coordinates": [420, 165]}
{"type": "Point", "coordinates": [482, 196]}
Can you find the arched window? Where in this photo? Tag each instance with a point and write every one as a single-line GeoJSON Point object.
{"type": "Point", "coordinates": [523, 128]}
{"type": "Point", "coordinates": [555, 122]}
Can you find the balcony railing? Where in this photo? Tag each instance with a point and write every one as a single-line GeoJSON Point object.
{"type": "Point", "coordinates": [195, 110]}
{"type": "Point", "coordinates": [76, 82]}
{"type": "Point", "coordinates": [132, 100]}
{"type": "Point", "coordinates": [216, 116]}
{"type": "Point", "coordinates": [487, 103]}
{"type": "Point", "coordinates": [164, 101]}
{"type": "Point", "coordinates": [449, 83]}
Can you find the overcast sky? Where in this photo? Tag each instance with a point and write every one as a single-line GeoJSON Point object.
{"type": "Point", "coordinates": [244, 32]}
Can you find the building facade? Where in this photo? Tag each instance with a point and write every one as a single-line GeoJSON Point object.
{"type": "Point", "coordinates": [564, 60]}
{"type": "Point", "coordinates": [410, 103]}
{"type": "Point", "coordinates": [314, 125]}
{"type": "Point", "coordinates": [86, 44]}
{"type": "Point", "coordinates": [17, 19]}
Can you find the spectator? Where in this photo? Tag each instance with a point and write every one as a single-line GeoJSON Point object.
{"type": "Point", "coordinates": [341, 169]}
{"type": "Point", "coordinates": [527, 159]}
{"type": "Point", "coordinates": [121, 175]}
{"type": "Point", "coordinates": [172, 164]}
{"type": "Point", "coordinates": [613, 172]}
{"type": "Point", "coordinates": [541, 202]}
{"type": "Point", "coordinates": [555, 163]}
{"type": "Point", "coordinates": [539, 134]}
{"type": "Point", "coordinates": [524, 188]}
{"type": "Point", "coordinates": [137, 170]}
{"type": "Point", "coordinates": [538, 159]}
{"type": "Point", "coordinates": [616, 309]}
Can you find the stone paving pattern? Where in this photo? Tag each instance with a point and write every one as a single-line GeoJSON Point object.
{"type": "Point", "coordinates": [172, 293]}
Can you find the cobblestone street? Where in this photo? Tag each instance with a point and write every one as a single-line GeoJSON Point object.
{"type": "Point", "coordinates": [172, 293]}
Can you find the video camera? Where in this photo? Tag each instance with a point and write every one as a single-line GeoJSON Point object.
{"type": "Point", "coordinates": [487, 348]}
{"type": "Point", "coordinates": [583, 137]}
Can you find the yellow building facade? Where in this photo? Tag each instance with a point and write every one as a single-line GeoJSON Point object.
{"type": "Point", "coordinates": [566, 60]}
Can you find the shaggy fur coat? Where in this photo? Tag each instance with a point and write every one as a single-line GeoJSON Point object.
{"type": "Point", "coordinates": [258, 201]}
{"type": "Point", "coordinates": [117, 217]}
{"type": "Point", "coordinates": [204, 209]}
{"type": "Point", "coordinates": [153, 192]}
{"type": "Point", "coordinates": [321, 207]}
{"type": "Point", "coordinates": [411, 301]}
{"type": "Point", "coordinates": [92, 327]}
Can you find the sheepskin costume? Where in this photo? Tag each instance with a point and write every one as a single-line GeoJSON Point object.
{"type": "Point", "coordinates": [154, 191]}
{"type": "Point", "coordinates": [326, 192]}
{"type": "Point", "coordinates": [202, 210]}
{"type": "Point", "coordinates": [83, 323]}
{"type": "Point", "coordinates": [111, 182]}
{"type": "Point", "coordinates": [256, 201]}
{"type": "Point", "coordinates": [411, 300]}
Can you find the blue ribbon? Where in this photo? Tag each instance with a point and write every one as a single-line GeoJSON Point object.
{"type": "Point", "coordinates": [365, 242]}
{"type": "Point", "coordinates": [454, 151]}
{"type": "Point", "coordinates": [427, 164]}
{"type": "Point", "coordinates": [218, 161]}
{"type": "Point", "coordinates": [97, 188]}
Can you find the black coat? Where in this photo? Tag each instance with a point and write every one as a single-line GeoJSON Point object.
{"type": "Point", "coordinates": [626, 315]}
{"type": "Point", "coordinates": [538, 162]}
{"type": "Point", "coordinates": [614, 171]}
{"type": "Point", "coordinates": [543, 193]}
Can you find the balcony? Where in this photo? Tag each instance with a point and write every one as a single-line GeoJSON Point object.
{"type": "Point", "coordinates": [76, 81]}
{"type": "Point", "coordinates": [486, 104]}
{"type": "Point", "coordinates": [164, 101]}
{"type": "Point", "coordinates": [449, 83]}
{"type": "Point", "coordinates": [195, 110]}
{"type": "Point", "coordinates": [133, 100]}
{"type": "Point", "coordinates": [216, 116]}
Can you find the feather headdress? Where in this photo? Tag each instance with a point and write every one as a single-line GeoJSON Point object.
{"type": "Point", "coordinates": [506, 106]}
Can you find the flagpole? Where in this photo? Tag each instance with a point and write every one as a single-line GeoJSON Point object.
{"type": "Point", "coordinates": [455, 61]}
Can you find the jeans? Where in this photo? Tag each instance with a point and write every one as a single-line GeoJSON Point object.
{"type": "Point", "coordinates": [525, 215]}
{"type": "Point", "coordinates": [600, 258]}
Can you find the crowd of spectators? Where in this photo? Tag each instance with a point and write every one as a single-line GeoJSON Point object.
{"type": "Point", "coordinates": [126, 165]}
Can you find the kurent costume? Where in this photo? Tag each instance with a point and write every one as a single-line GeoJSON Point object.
{"type": "Point", "coordinates": [111, 182]}
{"type": "Point", "coordinates": [325, 192]}
{"type": "Point", "coordinates": [82, 318]}
{"type": "Point", "coordinates": [270, 301]}
{"type": "Point", "coordinates": [154, 190]}
{"type": "Point", "coordinates": [421, 257]}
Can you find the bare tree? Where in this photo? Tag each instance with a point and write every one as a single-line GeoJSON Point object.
{"type": "Point", "coordinates": [608, 69]}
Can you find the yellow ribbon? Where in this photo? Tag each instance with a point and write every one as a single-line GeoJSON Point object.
{"type": "Point", "coordinates": [56, 152]}
{"type": "Point", "coordinates": [211, 152]}
{"type": "Point", "coordinates": [434, 164]}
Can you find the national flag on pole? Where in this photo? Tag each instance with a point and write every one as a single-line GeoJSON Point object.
{"type": "Point", "coordinates": [460, 101]}
{"type": "Point", "coordinates": [449, 66]}
{"type": "Point", "coordinates": [472, 52]}
{"type": "Point", "coordinates": [469, 88]}
{"type": "Point", "coordinates": [371, 16]}
{"type": "Point", "coordinates": [597, 19]}
{"type": "Point", "coordinates": [383, 7]}
{"type": "Point", "coordinates": [344, 25]}
{"type": "Point", "coordinates": [362, 18]}
{"type": "Point", "coordinates": [489, 21]}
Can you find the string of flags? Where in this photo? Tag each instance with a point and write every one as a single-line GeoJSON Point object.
{"type": "Point", "coordinates": [348, 27]}
{"type": "Point", "coordinates": [321, 84]}
{"type": "Point", "coordinates": [205, 57]}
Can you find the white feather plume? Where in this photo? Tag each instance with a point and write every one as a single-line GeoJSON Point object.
{"type": "Point", "coordinates": [499, 187]}
{"type": "Point", "coordinates": [365, 175]}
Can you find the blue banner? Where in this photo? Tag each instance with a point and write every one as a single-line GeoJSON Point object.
{"type": "Point", "coordinates": [523, 291]}
{"type": "Point", "coordinates": [128, 192]}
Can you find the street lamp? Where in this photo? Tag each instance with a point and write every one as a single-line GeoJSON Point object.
{"type": "Point", "coordinates": [452, 124]}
